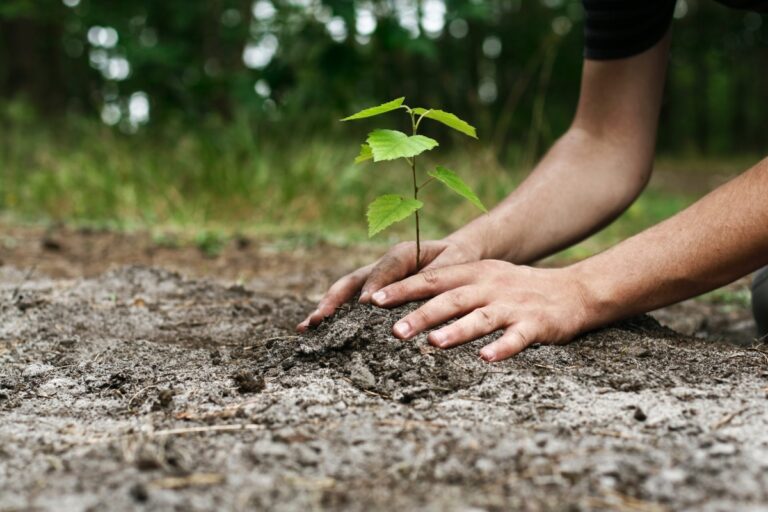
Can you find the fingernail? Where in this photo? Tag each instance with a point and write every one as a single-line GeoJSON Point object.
{"type": "Point", "coordinates": [402, 329]}
{"type": "Point", "coordinates": [379, 296]}
{"type": "Point", "coordinates": [488, 354]}
{"type": "Point", "coordinates": [439, 338]}
{"type": "Point", "coordinates": [364, 297]}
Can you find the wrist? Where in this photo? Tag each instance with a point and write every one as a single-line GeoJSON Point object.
{"type": "Point", "coordinates": [483, 239]}
{"type": "Point", "coordinates": [601, 300]}
{"type": "Point", "coordinates": [471, 240]}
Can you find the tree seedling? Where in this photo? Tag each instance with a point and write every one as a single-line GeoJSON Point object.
{"type": "Point", "coordinates": [383, 145]}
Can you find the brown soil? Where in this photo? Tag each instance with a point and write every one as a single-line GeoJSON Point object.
{"type": "Point", "coordinates": [132, 387]}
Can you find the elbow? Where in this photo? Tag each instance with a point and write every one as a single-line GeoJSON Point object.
{"type": "Point", "coordinates": [634, 182]}
{"type": "Point", "coordinates": [620, 167]}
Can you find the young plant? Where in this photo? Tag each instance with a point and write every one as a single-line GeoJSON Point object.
{"type": "Point", "coordinates": [382, 145]}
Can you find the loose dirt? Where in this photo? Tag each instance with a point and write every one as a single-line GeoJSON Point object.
{"type": "Point", "coordinates": [137, 388]}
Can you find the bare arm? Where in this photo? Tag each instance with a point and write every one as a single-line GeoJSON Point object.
{"type": "Point", "coordinates": [718, 239]}
{"type": "Point", "coordinates": [587, 179]}
{"type": "Point", "coordinates": [593, 172]}
{"type": "Point", "coordinates": [721, 237]}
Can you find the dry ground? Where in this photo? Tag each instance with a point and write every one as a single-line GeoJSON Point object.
{"type": "Point", "coordinates": [130, 380]}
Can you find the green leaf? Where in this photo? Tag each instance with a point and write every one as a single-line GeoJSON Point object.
{"type": "Point", "coordinates": [375, 111]}
{"type": "Point", "coordinates": [365, 154]}
{"type": "Point", "coordinates": [448, 119]}
{"type": "Point", "coordinates": [392, 144]}
{"type": "Point", "coordinates": [388, 209]}
{"type": "Point", "coordinates": [453, 182]}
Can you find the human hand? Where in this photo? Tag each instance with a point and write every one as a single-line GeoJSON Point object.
{"type": "Point", "coordinates": [397, 264]}
{"type": "Point", "coordinates": [531, 305]}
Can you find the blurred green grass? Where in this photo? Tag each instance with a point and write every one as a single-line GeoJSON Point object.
{"type": "Point", "coordinates": [228, 179]}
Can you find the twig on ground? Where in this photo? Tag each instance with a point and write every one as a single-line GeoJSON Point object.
{"type": "Point", "coordinates": [193, 480]}
{"type": "Point", "coordinates": [617, 501]}
{"type": "Point", "coordinates": [744, 354]}
{"type": "Point", "coordinates": [142, 390]}
{"type": "Point", "coordinates": [616, 434]}
{"type": "Point", "coordinates": [226, 412]}
{"type": "Point", "coordinates": [725, 420]}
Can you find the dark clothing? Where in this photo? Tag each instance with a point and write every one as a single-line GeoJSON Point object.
{"type": "Point", "coordinates": [760, 303]}
{"type": "Point", "coordinates": [615, 29]}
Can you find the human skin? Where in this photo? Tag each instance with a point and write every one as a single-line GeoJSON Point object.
{"type": "Point", "coordinates": [592, 174]}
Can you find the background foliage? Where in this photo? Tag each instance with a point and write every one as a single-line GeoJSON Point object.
{"type": "Point", "coordinates": [511, 66]}
{"type": "Point", "coordinates": [157, 110]}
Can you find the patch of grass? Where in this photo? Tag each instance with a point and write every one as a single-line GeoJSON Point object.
{"type": "Point", "coordinates": [166, 240]}
{"type": "Point", "coordinates": [223, 179]}
{"type": "Point", "coordinates": [735, 299]}
{"type": "Point", "coordinates": [210, 242]}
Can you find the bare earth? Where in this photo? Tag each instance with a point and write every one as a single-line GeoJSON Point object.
{"type": "Point", "coordinates": [127, 386]}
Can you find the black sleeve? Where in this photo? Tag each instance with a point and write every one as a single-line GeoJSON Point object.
{"type": "Point", "coordinates": [615, 29]}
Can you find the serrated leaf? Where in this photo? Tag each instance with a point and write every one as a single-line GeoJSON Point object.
{"type": "Point", "coordinates": [448, 119]}
{"type": "Point", "coordinates": [451, 180]}
{"type": "Point", "coordinates": [392, 144]}
{"type": "Point", "coordinates": [387, 209]}
{"type": "Point", "coordinates": [375, 111]}
{"type": "Point", "coordinates": [365, 154]}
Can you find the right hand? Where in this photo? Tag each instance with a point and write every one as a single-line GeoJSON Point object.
{"type": "Point", "coordinates": [397, 264]}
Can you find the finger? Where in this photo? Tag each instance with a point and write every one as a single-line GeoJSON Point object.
{"type": "Point", "coordinates": [425, 284]}
{"type": "Point", "coordinates": [393, 266]}
{"type": "Point", "coordinates": [445, 306]}
{"type": "Point", "coordinates": [478, 323]}
{"type": "Point", "coordinates": [514, 340]}
{"type": "Point", "coordinates": [339, 293]}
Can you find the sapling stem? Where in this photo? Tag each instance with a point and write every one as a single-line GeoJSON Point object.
{"type": "Point", "coordinates": [416, 215]}
{"type": "Point", "coordinates": [415, 126]}
{"type": "Point", "coordinates": [384, 145]}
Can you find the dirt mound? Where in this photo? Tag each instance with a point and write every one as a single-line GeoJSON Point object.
{"type": "Point", "coordinates": [357, 345]}
{"type": "Point", "coordinates": [141, 387]}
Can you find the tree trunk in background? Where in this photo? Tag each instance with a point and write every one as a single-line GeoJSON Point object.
{"type": "Point", "coordinates": [32, 62]}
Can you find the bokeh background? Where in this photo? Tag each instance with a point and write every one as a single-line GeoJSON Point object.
{"type": "Point", "coordinates": [222, 115]}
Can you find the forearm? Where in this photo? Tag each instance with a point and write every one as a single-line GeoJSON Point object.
{"type": "Point", "coordinates": [593, 172]}
{"type": "Point", "coordinates": [718, 239]}
{"type": "Point", "coordinates": [582, 184]}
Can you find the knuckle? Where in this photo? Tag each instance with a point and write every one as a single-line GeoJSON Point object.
{"type": "Point", "coordinates": [525, 336]}
{"type": "Point", "coordinates": [429, 276]}
{"type": "Point", "coordinates": [456, 299]}
{"type": "Point", "coordinates": [401, 247]}
{"type": "Point", "coordinates": [457, 331]}
{"type": "Point", "coordinates": [422, 317]}
{"type": "Point", "coordinates": [395, 290]}
{"type": "Point", "coordinates": [486, 318]}
{"type": "Point", "coordinates": [385, 267]}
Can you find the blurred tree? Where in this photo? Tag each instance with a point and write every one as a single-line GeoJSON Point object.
{"type": "Point", "coordinates": [511, 66]}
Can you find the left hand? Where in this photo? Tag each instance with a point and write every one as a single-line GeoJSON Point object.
{"type": "Point", "coordinates": [531, 305]}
